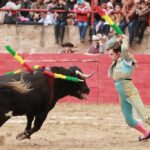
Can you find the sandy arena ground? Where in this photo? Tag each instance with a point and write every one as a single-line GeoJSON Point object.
{"type": "Point", "coordinates": [75, 127]}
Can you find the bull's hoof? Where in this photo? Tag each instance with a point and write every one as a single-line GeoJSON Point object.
{"type": "Point", "coordinates": [23, 136]}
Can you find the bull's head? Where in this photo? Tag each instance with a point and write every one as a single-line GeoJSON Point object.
{"type": "Point", "coordinates": [80, 89]}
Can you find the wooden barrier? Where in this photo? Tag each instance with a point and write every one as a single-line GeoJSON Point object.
{"type": "Point", "coordinates": [102, 88]}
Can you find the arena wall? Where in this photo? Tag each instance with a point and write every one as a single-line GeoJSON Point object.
{"type": "Point", "coordinates": [102, 89]}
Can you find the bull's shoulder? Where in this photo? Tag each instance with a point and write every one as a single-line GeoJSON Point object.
{"type": "Point", "coordinates": [57, 69]}
{"type": "Point", "coordinates": [37, 79]}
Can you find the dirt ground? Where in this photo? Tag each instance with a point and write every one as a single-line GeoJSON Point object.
{"type": "Point", "coordinates": [75, 127]}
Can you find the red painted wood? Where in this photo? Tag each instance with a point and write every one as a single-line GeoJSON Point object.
{"type": "Point", "coordinates": [102, 88]}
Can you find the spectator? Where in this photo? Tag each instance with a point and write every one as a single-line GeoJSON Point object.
{"type": "Point", "coordinates": [148, 3]}
{"type": "Point", "coordinates": [24, 16]}
{"type": "Point", "coordinates": [47, 1]}
{"type": "Point", "coordinates": [26, 4]}
{"type": "Point", "coordinates": [97, 18]}
{"type": "Point", "coordinates": [35, 18]}
{"type": "Point", "coordinates": [106, 27]}
{"type": "Point", "coordinates": [142, 11]}
{"type": "Point", "coordinates": [11, 4]}
{"type": "Point", "coordinates": [71, 4]}
{"type": "Point", "coordinates": [38, 4]}
{"type": "Point", "coordinates": [52, 6]}
{"type": "Point", "coordinates": [128, 10]}
{"type": "Point", "coordinates": [113, 2]}
{"type": "Point", "coordinates": [82, 10]}
{"type": "Point", "coordinates": [3, 3]}
{"type": "Point", "coordinates": [67, 48]}
{"type": "Point", "coordinates": [10, 17]}
{"type": "Point", "coordinates": [71, 16]}
{"type": "Point", "coordinates": [46, 19]}
{"type": "Point", "coordinates": [103, 27]}
{"type": "Point", "coordinates": [61, 22]}
{"type": "Point", "coordinates": [118, 14]}
{"type": "Point", "coordinates": [97, 46]}
{"type": "Point", "coordinates": [2, 13]}
{"type": "Point", "coordinates": [110, 8]}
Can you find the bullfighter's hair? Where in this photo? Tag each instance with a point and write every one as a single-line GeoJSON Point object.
{"type": "Point", "coordinates": [20, 86]}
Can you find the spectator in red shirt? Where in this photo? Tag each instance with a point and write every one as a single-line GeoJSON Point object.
{"type": "Point", "coordinates": [82, 10]}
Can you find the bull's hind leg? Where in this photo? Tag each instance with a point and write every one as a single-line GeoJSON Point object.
{"type": "Point", "coordinates": [4, 116]}
{"type": "Point", "coordinates": [3, 119]}
{"type": "Point", "coordinates": [23, 135]}
{"type": "Point", "coordinates": [39, 119]}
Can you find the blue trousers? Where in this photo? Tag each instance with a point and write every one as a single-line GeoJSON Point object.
{"type": "Point", "coordinates": [131, 26]}
{"type": "Point", "coordinates": [130, 99]}
{"type": "Point", "coordinates": [82, 28]}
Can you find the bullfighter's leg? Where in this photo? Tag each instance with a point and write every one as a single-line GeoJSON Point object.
{"type": "Point", "coordinates": [39, 119]}
{"type": "Point", "coordinates": [30, 118]}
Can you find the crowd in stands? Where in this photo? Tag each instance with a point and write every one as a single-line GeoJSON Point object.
{"type": "Point", "coordinates": [133, 14]}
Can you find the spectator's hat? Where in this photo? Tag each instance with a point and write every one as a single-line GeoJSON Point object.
{"type": "Point", "coordinates": [68, 44]}
{"type": "Point", "coordinates": [80, 1]}
{"type": "Point", "coordinates": [96, 37]}
{"type": "Point", "coordinates": [112, 43]}
{"type": "Point", "coordinates": [109, 4]}
{"type": "Point", "coordinates": [99, 35]}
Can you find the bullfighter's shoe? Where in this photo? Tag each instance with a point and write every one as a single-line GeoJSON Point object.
{"type": "Point", "coordinates": [145, 137]}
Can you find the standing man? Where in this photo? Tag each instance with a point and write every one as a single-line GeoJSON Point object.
{"type": "Point", "coordinates": [60, 21]}
{"type": "Point", "coordinates": [121, 73]}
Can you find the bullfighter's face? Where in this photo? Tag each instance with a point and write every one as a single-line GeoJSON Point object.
{"type": "Point", "coordinates": [114, 56]}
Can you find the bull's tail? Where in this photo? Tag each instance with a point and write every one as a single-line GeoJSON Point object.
{"type": "Point", "coordinates": [19, 86]}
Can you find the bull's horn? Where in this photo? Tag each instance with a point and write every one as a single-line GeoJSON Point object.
{"type": "Point", "coordinates": [84, 76]}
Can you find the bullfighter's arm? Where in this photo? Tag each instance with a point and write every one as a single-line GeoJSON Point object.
{"type": "Point", "coordinates": [125, 49]}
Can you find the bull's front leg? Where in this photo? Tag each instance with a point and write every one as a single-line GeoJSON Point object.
{"type": "Point", "coordinates": [39, 119]}
{"type": "Point", "coordinates": [24, 134]}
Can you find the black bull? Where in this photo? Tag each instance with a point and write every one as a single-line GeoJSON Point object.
{"type": "Point", "coordinates": [34, 95]}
